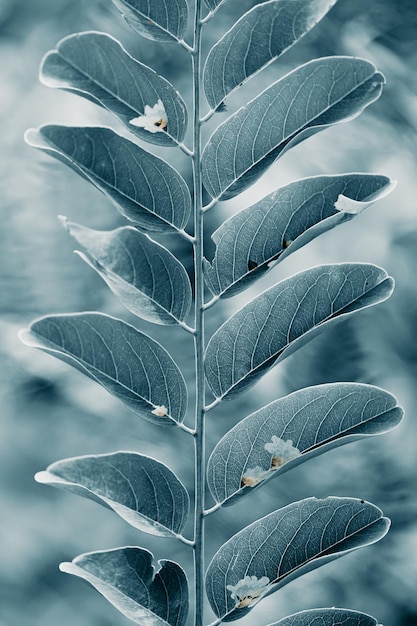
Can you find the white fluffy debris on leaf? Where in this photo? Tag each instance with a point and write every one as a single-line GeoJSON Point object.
{"type": "Point", "coordinates": [160, 411]}
{"type": "Point", "coordinates": [282, 451]}
{"type": "Point", "coordinates": [248, 590]}
{"type": "Point", "coordinates": [253, 476]}
{"type": "Point", "coordinates": [154, 120]}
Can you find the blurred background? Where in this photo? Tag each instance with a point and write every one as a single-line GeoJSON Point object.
{"type": "Point", "coordinates": [50, 411]}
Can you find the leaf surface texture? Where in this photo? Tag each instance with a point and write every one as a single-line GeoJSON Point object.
{"type": "Point", "coordinates": [127, 579]}
{"type": "Point", "coordinates": [292, 430]}
{"type": "Point", "coordinates": [249, 243]}
{"type": "Point", "coordinates": [258, 37]}
{"type": "Point", "coordinates": [160, 20]}
{"type": "Point", "coordinates": [148, 280]}
{"type": "Point", "coordinates": [320, 93]}
{"type": "Point", "coordinates": [285, 317]}
{"type": "Point", "coordinates": [327, 617]}
{"type": "Point", "coordinates": [286, 544]}
{"type": "Point", "coordinates": [141, 490]}
{"type": "Point", "coordinates": [144, 188]}
{"type": "Point", "coordinates": [129, 364]}
{"type": "Point", "coordinates": [97, 67]}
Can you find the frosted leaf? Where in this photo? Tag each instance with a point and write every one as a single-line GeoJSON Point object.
{"type": "Point", "coordinates": [282, 451]}
{"type": "Point", "coordinates": [248, 589]}
{"type": "Point", "coordinates": [253, 476]}
{"type": "Point", "coordinates": [154, 120]}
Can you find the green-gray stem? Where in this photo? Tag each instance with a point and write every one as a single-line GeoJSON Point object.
{"type": "Point", "coordinates": [199, 330]}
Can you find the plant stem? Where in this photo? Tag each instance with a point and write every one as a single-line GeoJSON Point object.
{"type": "Point", "coordinates": [199, 438]}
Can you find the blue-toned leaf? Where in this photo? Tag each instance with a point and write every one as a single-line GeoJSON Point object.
{"type": "Point", "coordinates": [129, 364]}
{"type": "Point", "coordinates": [285, 317]}
{"type": "Point", "coordinates": [148, 280]}
{"type": "Point", "coordinates": [314, 96]}
{"type": "Point", "coordinates": [249, 243]}
{"type": "Point", "coordinates": [97, 67]}
{"type": "Point", "coordinates": [144, 188]}
{"type": "Point", "coordinates": [327, 617]}
{"type": "Point", "coordinates": [127, 579]}
{"type": "Point", "coordinates": [284, 545]}
{"type": "Point", "coordinates": [160, 20]}
{"type": "Point", "coordinates": [260, 36]}
{"type": "Point", "coordinates": [144, 492]}
{"type": "Point", "coordinates": [292, 430]}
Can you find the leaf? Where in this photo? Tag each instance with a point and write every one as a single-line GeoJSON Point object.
{"type": "Point", "coordinates": [126, 578]}
{"type": "Point", "coordinates": [249, 243]}
{"type": "Point", "coordinates": [327, 617]}
{"type": "Point", "coordinates": [292, 430]}
{"type": "Point", "coordinates": [97, 67]}
{"type": "Point", "coordinates": [160, 20]}
{"type": "Point", "coordinates": [148, 280]}
{"type": "Point", "coordinates": [144, 188]}
{"type": "Point", "coordinates": [284, 545]}
{"type": "Point", "coordinates": [142, 491]}
{"type": "Point", "coordinates": [258, 38]}
{"type": "Point", "coordinates": [129, 364]}
{"type": "Point", "coordinates": [314, 96]}
{"type": "Point", "coordinates": [285, 317]}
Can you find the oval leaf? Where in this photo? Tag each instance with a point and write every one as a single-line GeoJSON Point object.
{"type": "Point", "coordinates": [249, 243]}
{"type": "Point", "coordinates": [160, 20]}
{"type": "Point", "coordinates": [285, 317]}
{"type": "Point", "coordinates": [97, 67]}
{"type": "Point", "coordinates": [314, 96]}
{"type": "Point", "coordinates": [144, 492]}
{"type": "Point", "coordinates": [148, 280]}
{"type": "Point", "coordinates": [292, 430]}
{"type": "Point", "coordinates": [284, 545]}
{"type": "Point", "coordinates": [127, 579]}
{"type": "Point", "coordinates": [327, 617]}
{"type": "Point", "coordinates": [129, 364]}
{"type": "Point", "coordinates": [144, 188]}
{"type": "Point", "coordinates": [258, 38]}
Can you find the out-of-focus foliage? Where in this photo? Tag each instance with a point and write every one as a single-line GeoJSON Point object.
{"type": "Point", "coordinates": [50, 412]}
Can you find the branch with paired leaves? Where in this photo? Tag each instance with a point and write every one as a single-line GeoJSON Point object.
{"type": "Point", "coordinates": [153, 285]}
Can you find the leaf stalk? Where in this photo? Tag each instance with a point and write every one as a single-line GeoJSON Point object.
{"type": "Point", "coordinates": [211, 302]}
{"type": "Point", "coordinates": [213, 509]}
{"type": "Point", "coordinates": [185, 45]}
{"type": "Point", "coordinates": [212, 405]}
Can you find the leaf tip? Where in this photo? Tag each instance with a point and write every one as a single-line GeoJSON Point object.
{"type": "Point", "coordinates": [42, 477]}
{"type": "Point", "coordinates": [344, 204]}
{"type": "Point", "coordinates": [26, 337]}
{"type": "Point", "coordinates": [66, 567]}
{"type": "Point", "coordinates": [29, 136]}
{"type": "Point", "coordinates": [64, 221]}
